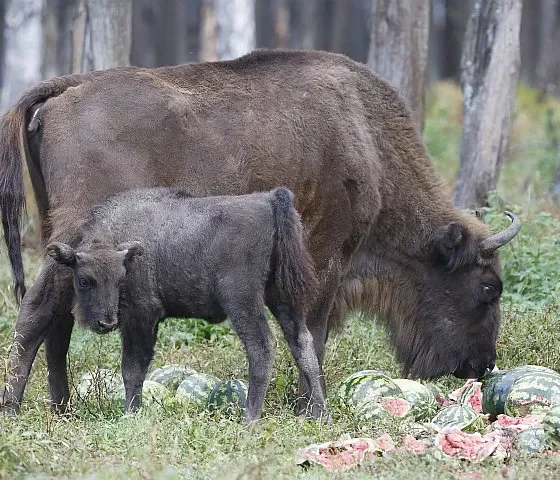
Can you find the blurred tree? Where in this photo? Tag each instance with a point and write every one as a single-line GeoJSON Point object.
{"type": "Point", "coordinates": [165, 32]}
{"type": "Point", "coordinates": [22, 59]}
{"type": "Point", "coordinates": [490, 65]}
{"type": "Point", "coordinates": [101, 34]}
{"type": "Point", "coordinates": [235, 27]}
{"type": "Point", "coordinates": [2, 42]}
{"type": "Point", "coordinates": [57, 25]}
{"type": "Point", "coordinates": [399, 47]}
{"type": "Point", "coordinates": [548, 63]}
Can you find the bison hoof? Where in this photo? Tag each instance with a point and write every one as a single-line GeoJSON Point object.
{"type": "Point", "coordinates": [9, 409]}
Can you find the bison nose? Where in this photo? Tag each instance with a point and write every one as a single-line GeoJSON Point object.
{"type": "Point", "coordinates": [109, 323]}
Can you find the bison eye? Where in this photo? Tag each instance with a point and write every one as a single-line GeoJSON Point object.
{"type": "Point", "coordinates": [490, 292]}
{"type": "Point", "coordinates": [83, 282]}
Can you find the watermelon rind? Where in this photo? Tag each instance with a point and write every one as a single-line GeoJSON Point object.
{"type": "Point", "coordinates": [422, 401]}
{"type": "Point", "coordinates": [374, 389]}
{"type": "Point", "coordinates": [353, 382]}
{"type": "Point", "coordinates": [533, 392]}
{"type": "Point", "coordinates": [459, 416]}
{"type": "Point", "coordinates": [228, 395]}
{"type": "Point", "coordinates": [102, 383]}
{"type": "Point", "coordinates": [531, 440]}
{"type": "Point", "coordinates": [471, 396]}
{"type": "Point", "coordinates": [551, 424]}
{"type": "Point", "coordinates": [497, 386]}
{"type": "Point", "coordinates": [195, 388]}
{"type": "Point", "coordinates": [171, 375]}
{"type": "Point", "coordinates": [153, 393]}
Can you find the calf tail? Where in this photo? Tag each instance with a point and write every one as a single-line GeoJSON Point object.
{"type": "Point", "coordinates": [294, 272]}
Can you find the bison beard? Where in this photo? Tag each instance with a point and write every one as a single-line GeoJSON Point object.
{"type": "Point", "coordinates": [381, 228]}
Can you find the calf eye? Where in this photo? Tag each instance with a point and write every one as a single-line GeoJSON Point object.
{"type": "Point", "coordinates": [490, 292]}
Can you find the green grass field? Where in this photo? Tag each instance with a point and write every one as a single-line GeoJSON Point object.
{"type": "Point", "coordinates": [98, 442]}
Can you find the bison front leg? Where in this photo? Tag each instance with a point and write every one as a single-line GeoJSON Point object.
{"type": "Point", "coordinates": [138, 341]}
{"type": "Point", "coordinates": [42, 305]}
{"type": "Point", "coordinates": [56, 348]}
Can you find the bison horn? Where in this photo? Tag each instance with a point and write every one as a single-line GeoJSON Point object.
{"type": "Point", "coordinates": [498, 240]}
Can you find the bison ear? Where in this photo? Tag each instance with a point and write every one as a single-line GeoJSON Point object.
{"type": "Point", "coordinates": [62, 253]}
{"type": "Point", "coordinates": [448, 243]}
{"type": "Point", "coordinates": [130, 250]}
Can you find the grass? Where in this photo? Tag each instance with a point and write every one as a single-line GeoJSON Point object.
{"type": "Point", "coordinates": [169, 442]}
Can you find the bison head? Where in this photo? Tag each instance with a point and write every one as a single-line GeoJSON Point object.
{"type": "Point", "coordinates": [451, 324]}
{"type": "Point", "coordinates": [99, 272]}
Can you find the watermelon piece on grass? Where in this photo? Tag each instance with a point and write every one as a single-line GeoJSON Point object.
{"type": "Point", "coordinates": [422, 401]}
{"type": "Point", "coordinates": [455, 443]}
{"type": "Point", "coordinates": [352, 391]}
{"type": "Point", "coordinates": [103, 383]}
{"type": "Point", "coordinates": [551, 423]}
{"type": "Point", "coordinates": [196, 388]}
{"type": "Point", "coordinates": [171, 375]}
{"type": "Point", "coordinates": [228, 395]}
{"type": "Point", "coordinates": [458, 416]}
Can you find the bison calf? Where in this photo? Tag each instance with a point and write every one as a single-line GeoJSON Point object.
{"type": "Point", "coordinates": [148, 254]}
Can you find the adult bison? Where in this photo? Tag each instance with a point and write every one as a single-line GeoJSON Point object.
{"type": "Point", "coordinates": [382, 231]}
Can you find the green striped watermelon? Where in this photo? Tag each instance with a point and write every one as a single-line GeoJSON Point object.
{"type": "Point", "coordinates": [228, 395]}
{"type": "Point", "coordinates": [472, 396]}
{"type": "Point", "coordinates": [103, 383]}
{"type": "Point", "coordinates": [551, 423]}
{"type": "Point", "coordinates": [195, 388]}
{"type": "Point", "coordinates": [460, 416]}
{"type": "Point", "coordinates": [520, 391]}
{"type": "Point", "coordinates": [171, 375]}
{"type": "Point", "coordinates": [531, 440]}
{"type": "Point", "coordinates": [352, 383]}
{"type": "Point", "coordinates": [153, 393]}
{"type": "Point", "coordinates": [422, 401]}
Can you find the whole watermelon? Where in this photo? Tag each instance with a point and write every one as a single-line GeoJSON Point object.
{"type": "Point", "coordinates": [153, 393]}
{"type": "Point", "coordinates": [520, 391]}
{"type": "Point", "coordinates": [228, 395]}
{"type": "Point", "coordinates": [367, 386]}
{"type": "Point", "coordinates": [551, 423]}
{"type": "Point", "coordinates": [103, 383]}
{"type": "Point", "coordinates": [195, 388]}
{"type": "Point", "coordinates": [422, 401]}
{"type": "Point", "coordinates": [171, 375]}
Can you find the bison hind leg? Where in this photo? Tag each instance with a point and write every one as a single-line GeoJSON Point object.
{"type": "Point", "coordinates": [300, 341]}
{"type": "Point", "coordinates": [251, 326]}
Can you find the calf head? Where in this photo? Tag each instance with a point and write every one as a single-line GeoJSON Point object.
{"type": "Point", "coordinates": [452, 324]}
{"type": "Point", "coordinates": [99, 272]}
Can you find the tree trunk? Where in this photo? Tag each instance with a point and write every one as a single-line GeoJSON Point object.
{"type": "Point", "coordinates": [110, 31]}
{"type": "Point", "coordinates": [235, 27]}
{"type": "Point", "coordinates": [56, 47]}
{"type": "Point", "coordinates": [23, 47]}
{"type": "Point", "coordinates": [143, 51]}
{"type": "Point", "coordinates": [490, 65]}
{"type": "Point", "coordinates": [529, 40]}
{"type": "Point", "coordinates": [548, 63]}
{"type": "Point", "coordinates": [399, 47]}
{"type": "Point", "coordinates": [2, 39]}
{"type": "Point", "coordinates": [308, 21]}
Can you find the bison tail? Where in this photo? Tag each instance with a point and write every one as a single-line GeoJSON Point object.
{"type": "Point", "coordinates": [294, 271]}
{"type": "Point", "coordinates": [13, 145]}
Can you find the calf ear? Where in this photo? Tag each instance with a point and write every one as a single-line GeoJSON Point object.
{"type": "Point", "coordinates": [130, 250]}
{"type": "Point", "coordinates": [449, 243]}
{"type": "Point", "coordinates": [62, 253]}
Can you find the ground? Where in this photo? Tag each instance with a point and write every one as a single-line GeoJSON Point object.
{"type": "Point", "coordinates": [97, 442]}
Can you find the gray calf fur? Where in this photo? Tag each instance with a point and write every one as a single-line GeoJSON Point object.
{"type": "Point", "coordinates": [148, 254]}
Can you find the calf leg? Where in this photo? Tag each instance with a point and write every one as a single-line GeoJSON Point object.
{"type": "Point", "coordinates": [43, 302]}
{"type": "Point", "coordinates": [299, 339]}
{"type": "Point", "coordinates": [56, 347]}
{"type": "Point", "coordinates": [138, 341]}
{"type": "Point", "coordinates": [255, 334]}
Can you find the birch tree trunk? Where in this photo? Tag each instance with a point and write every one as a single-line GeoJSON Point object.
{"type": "Point", "coordinates": [22, 67]}
{"type": "Point", "coordinates": [399, 47]}
{"type": "Point", "coordinates": [235, 27]}
{"type": "Point", "coordinates": [110, 30]}
{"type": "Point", "coordinates": [490, 71]}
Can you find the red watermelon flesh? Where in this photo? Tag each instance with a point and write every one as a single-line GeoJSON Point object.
{"type": "Point", "coordinates": [455, 395]}
{"type": "Point", "coordinates": [471, 446]}
{"type": "Point", "coordinates": [395, 406]}
{"type": "Point", "coordinates": [518, 423]}
{"type": "Point", "coordinates": [416, 446]}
